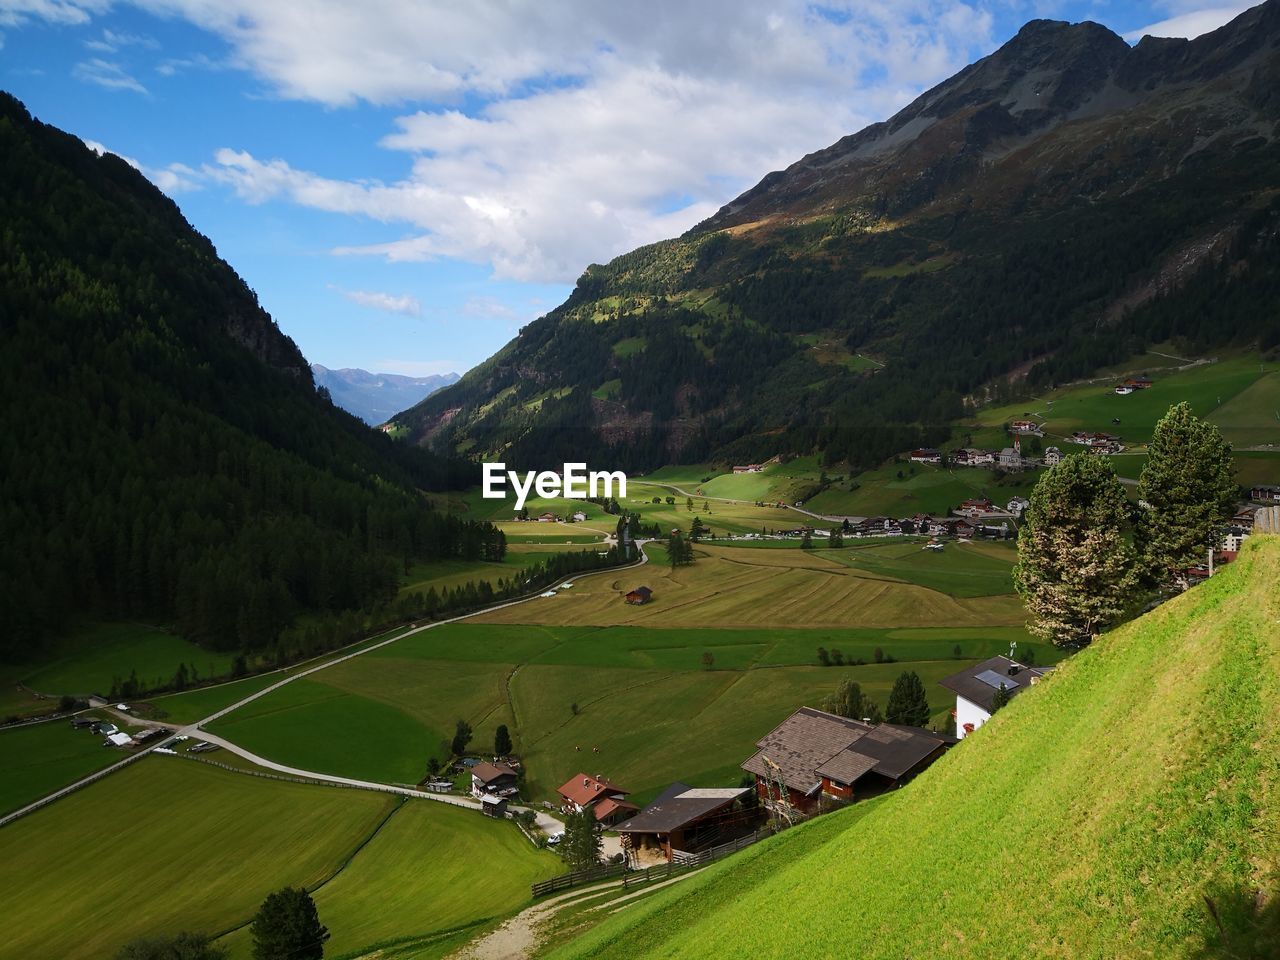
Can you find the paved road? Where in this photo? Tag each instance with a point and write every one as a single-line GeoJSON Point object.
{"type": "Point", "coordinates": [195, 729]}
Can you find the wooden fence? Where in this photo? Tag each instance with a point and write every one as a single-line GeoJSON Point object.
{"type": "Point", "coordinates": [579, 878]}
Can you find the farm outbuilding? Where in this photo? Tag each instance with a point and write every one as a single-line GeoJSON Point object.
{"type": "Point", "coordinates": [638, 596]}
{"type": "Point", "coordinates": [685, 819]}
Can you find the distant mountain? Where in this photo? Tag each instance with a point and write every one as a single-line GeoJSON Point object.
{"type": "Point", "coordinates": [164, 453]}
{"type": "Point", "coordinates": [1023, 223]}
{"type": "Point", "coordinates": [376, 397]}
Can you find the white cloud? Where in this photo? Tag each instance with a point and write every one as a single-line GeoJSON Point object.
{"type": "Point", "coordinates": [173, 179]}
{"type": "Point", "coordinates": [14, 13]}
{"type": "Point", "coordinates": [1191, 23]}
{"type": "Point", "coordinates": [542, 136]}
{"type": "Point", "coordinates": [111, 41]}
{"type": "Point", "coordinates": [389, 302]}
{"type": "Point", "coordinates": [108, 74]}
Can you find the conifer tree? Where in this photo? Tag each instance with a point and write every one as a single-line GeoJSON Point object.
{"type": "Point", "coordinates": [582, 844]}
{"type": "Point", "coordinates": [1188, 494]}
{"type": "Point", "coordinates": [907, 701]}
{"type": "Point", "coordinates": [502, 741]}
{"type": "Point", "coordinates": [287, 925]}
{"type": "Point", "coordinates": [1075, 571]}
{"type": "Point", "coordinates": [1001, 698]}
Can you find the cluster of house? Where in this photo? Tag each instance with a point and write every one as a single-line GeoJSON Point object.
{"type": "Point", "coordinates": [1101, 443]}
{"type": "Point", "coordinates": [922, 525]}
{"type": "Point", "coordinates": [577, 517]}
{"type": "Point", "coordinates": [1265, 493]}
{"type": "Point", "coordinates": [112, 735]}
{"type": "Point", "coordinates": [811, 761]}
{"type": "Point", "coordinates": [749, 468]}
{"type": "Point", "coordinates": [1010, 459]}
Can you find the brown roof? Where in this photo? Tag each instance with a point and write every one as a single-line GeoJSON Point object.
{"type": "Point", "coordinates": [1015, 676]}
{"type": "Point", "coordinates": [584, 790]}
{"type": "Point", "coordinates": [812, 744]}
{"type": "Point", "coordinates": [487, 772]}
{"type": "Point", "coordinates": [678, 806]}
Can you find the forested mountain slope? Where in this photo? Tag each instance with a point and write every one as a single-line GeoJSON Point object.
{"type": "Point", "coordinates": [1127, 807]}
{"type": "Point", "coordinates": [1026, 218]}
{"type": "Point", "coordinates": [164, 452]}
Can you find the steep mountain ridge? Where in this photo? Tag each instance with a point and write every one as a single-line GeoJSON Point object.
{"type": "Point", "coordinates": [376, 397]}
{"type": "Point", "coordinates": [1026, 218]}
{"type": "Point", "coordinates": [164, 452]}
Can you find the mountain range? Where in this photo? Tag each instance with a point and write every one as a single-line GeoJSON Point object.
{"type": "Point", "coordinates": [1023, 223]}
{"type": "Point", "coordinates": [376, 397]}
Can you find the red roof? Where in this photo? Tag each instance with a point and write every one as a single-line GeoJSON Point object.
{"type": "Point", "coordinates": [610, 805]}
{"type": "Point", "coordinates": [584, 790]}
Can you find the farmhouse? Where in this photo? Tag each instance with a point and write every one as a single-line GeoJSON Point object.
{"type": "Point", "coordinates": [1017, 505]}
{"type": "Point", "coordinates": [876, 527]}
{"type": "Point", "coordinates": [976, 687]}
{"type": "Point", "coordinates": [1026, 428]}
{"type": "Point", "coordinates": [493, 779]}
{"type": "Point", "coordinates": [579, 516]}
{"type": "Point", "coordinates": [1052, 456]}
{"type": "Point", "coordinates": [1138, 383]}
{"type": "Point", "coordinates": [1264, 493]}
{"type": "Point", "coordinates": [748, 468]}
{"type": "Point", "coordinates": [926, 455]}
{"type": "Point", "coordinates": [639, 596]}
{"type": "Point", "coordinates": [814, 754]}
{"type": "Point", "coordinates": [604, 799]}
{"type": "Point", "coordinates": [972, 457]}
{"type": "Point", "coordinates": [685, 819]}
{"type": "Point", "coordinates": [975, 507]}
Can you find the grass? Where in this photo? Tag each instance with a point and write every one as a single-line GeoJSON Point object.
{"type": "Point", "coordinates": [430, 868]}
{"type": "Point", "coordinates": [451, 574]}
{"type": "Point", "coordinates": [90, 658]}
{"type": "Point", "coordinates": [1252, 417]}
{"type": "Point", "coordinates": [961, 570]}
{"type": "Point", "coordinates": [1211, 389]}
{"type": "Point", "coordinates": [193, 705]}
{"type": "Point", "coordinates": [742, 587]}
{"type": "Point", "coordinates": [168, 845]}
{"type": "Point", "coordinates": [1134, 783]}
{"type": "Point", "coordinates": [43, 757]}
{"type": "Point", "coordinates": [922, 488]}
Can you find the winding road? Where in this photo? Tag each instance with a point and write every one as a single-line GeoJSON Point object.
{"type": "Point", "coordinates": [195, 730]}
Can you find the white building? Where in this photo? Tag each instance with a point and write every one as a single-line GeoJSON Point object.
{"type": "Point", "coordinates": [976, 689]}
{"type": "Point", "coordinates": [1052, 456]}
{"type": "Point", "coordinates": [1017, 505]}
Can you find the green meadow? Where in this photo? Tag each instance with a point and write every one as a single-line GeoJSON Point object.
{"type": "Point", "coordinates": [187, 846]}
{"type": "Point", "coordinates": [43, 757]}
{"type": "Point", "coordinates": [1152, 751]}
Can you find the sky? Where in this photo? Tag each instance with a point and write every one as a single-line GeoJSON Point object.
{"type": "Point", "coordinates": [406, 183]}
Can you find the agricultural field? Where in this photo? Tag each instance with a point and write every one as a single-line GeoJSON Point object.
{"type": "Point", "coordinates": [193, 860]}
{"type": "Point", "coordinates": [43, 757]}
{"type": "Point", "coordinates": [725, 651]}
{"type": "Point", "coordinates": [905, 489]}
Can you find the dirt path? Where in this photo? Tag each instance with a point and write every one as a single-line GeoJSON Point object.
{"type": "Point", "coordinates": [517, 937]}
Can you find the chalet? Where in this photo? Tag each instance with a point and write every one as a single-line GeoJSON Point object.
{"type": "Point", "coordinates": [1138, 383]}
{"type": "Point", "coordinates": [1265, 493]}
{"type": "Point", "coordinates": [1017, 505]}
{"type": "Point", "coordinates": [493, 779]}
{"type": "Point", "coordinates": [1089, 439]}
{"type": "Point", "coordinates": [493, 806]}
{"type": "Point", "coordinates": [748, 468]}
{"type": "Point", "coordinates": [963, 529]}
{"type": "Point", "coordinates": [1026, 428]}
{"type": "Point", "coordinates": [1244, 518]}
{"type": "Point", "coordinates": [1010, 458]}
{"type": "Point", "coordinates": [907, 526]}
{"type": "Point", "coordinates": [876, 527]}
{"type": "Point", "coordinates": [972, 457]}
{"type": "Point", "coordinates": [1052, 456]}
{"type": "Point", "coordinates": [975, 689]}
{"type": "Point", "coordinates": [685, 819]}
{"type": "Point", "coordinates": [975, 507]}
{"type": "Point", "coordinates": [547, 518]}
{"type": "Point", "coordinates": [813, 754]}
{"type": "Point", "coordinates": [579, 516]}
{"type": "Point", "coordinates": [604, 799]}
{"type": "Point", "coordinates": [639, 596]}
{"type": "Point", "coordinates": [926, 455]}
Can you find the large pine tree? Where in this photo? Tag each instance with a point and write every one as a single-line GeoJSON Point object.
{"type": "Point", "coordinates": [287, 925]}
{"type": "Point", "coordinates": [1187, 491]}
{"type": "Point", "coordinates": [1076, 572]}
{"type": "Point", "coordinates": [908, 703]}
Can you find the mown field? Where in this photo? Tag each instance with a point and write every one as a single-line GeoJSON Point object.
{"type": "Point", "coordinates": [585, 680]}
{"type": "Point", "coordinates": [43, 757]}
{"type": "Point", "coordinates": [168, 845]}
{"type": "Point", "coordinates": [1160, 809]}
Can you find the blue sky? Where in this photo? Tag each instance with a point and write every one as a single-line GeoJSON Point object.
{"type": "Point", "coordinates": [405, 184]}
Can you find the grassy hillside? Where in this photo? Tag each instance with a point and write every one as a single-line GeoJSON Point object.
{"type": "Point", "coordinates": [1091, 818]}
